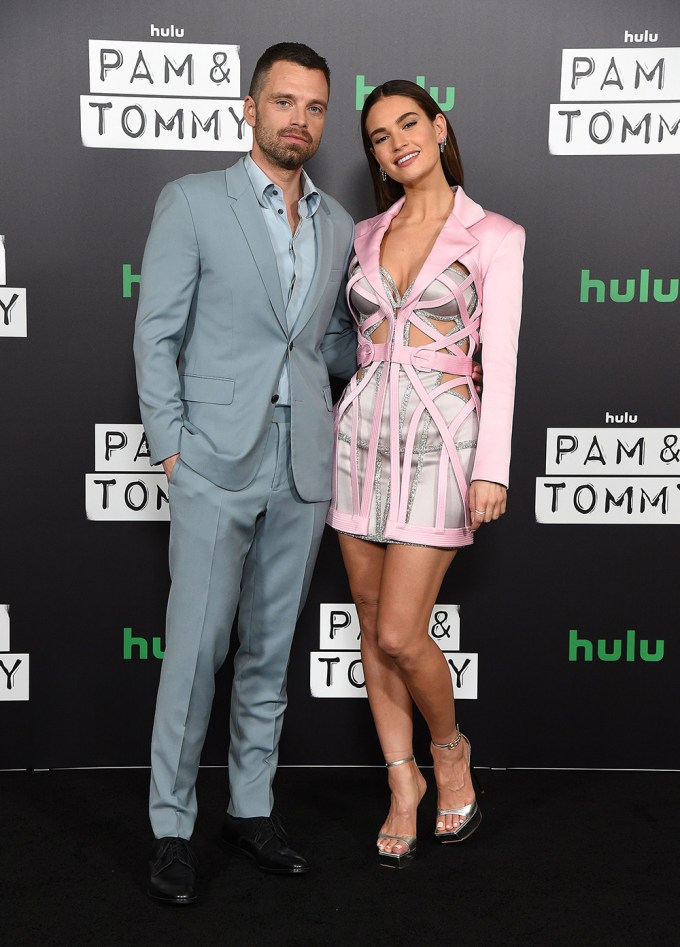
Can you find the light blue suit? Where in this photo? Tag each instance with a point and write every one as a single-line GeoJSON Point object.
{"type": "Point", "coordinates": [248, 497]}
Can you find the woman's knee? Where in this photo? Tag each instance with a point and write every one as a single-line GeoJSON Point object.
{"type": "Point", "coordinates": [397, 642]}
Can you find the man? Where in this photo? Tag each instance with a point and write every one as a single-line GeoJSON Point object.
{"type": "Point", "coordinates": [241, 316]}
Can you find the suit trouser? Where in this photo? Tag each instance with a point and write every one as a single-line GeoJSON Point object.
{"type": "Point", "coordinates": [253, 548]}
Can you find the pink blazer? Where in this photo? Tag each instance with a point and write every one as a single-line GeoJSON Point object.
{"type": "Point", "coordinates": [491, 247]}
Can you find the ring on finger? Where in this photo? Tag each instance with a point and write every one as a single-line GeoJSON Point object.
{"type": "Point", "coordinates": [481, 512]}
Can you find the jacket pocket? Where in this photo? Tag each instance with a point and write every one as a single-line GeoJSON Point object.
{"type": "Point", "coordinates": [208, 389]}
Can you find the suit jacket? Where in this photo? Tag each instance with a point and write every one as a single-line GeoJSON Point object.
{"type": "Point", "coordinates": [211, 334]}
{"type": "Point", "coordinates": [491, 247]}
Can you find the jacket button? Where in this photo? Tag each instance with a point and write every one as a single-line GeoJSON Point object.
{"type": "Point", "coordinates": [290, 346]}
{"type": "Point", "coordinates": [275, 398]}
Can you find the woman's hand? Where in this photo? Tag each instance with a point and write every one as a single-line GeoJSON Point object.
{"type": "Point", "coordinates": [487, 502]}
{"type": "Point", "coordinates": [477, 376]}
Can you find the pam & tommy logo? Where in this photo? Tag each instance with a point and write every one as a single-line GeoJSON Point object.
{"type": "Point", "coordinates": [13, 667]}
{"type": "Point", "coordinates": [12, 303]}
{"type": "Point", "coordinates": [171, 96]}
{"type": "Point", "coordinates": [336, 670]}
{"type": "Point", "coordinates": [617, 102]}
{"type": "Point", "coordinates": [126, 485]}
{"type": "Point", "coordinates": [615, 475]}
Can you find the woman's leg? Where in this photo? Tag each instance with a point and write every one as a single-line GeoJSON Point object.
{"type": "Point", "coordinates": [410, 582]}
{"type": "Point", "coordinates": [388, 696]}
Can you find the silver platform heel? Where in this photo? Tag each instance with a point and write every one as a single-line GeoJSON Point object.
{"type": "Point", "coordinates": [471, 813]}
{"type": "Point", "coordinates": [398, 859]}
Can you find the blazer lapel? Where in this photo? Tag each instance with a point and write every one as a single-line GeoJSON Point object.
{"type": "Point", "coordinates": [249, 215]}
{"type": "Point", "coordinates": [367, 248]}
{"type": "Point", "coordinates": [453, 241]}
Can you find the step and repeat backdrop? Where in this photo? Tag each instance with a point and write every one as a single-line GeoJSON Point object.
{"type": "Point", "coordinates": [559, 624]}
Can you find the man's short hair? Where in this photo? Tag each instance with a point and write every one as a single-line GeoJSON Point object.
{"type": "Point", "coordinates": [297, 53]}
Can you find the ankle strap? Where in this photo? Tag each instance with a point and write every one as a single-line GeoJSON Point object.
{"type": "Point", "coordinates": [407, 759]}
{"type": "Point", "coordinates": [450, 746]}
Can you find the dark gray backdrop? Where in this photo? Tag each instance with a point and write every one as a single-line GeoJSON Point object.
{"type": "Point", "coordinates": [72, 216]}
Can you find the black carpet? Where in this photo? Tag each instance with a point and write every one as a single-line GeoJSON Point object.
{"type": "Point", "coordinates": [561, 858]}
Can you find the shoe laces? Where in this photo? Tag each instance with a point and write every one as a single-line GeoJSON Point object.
{"type": "Point", "coordinates": [270, 827]}
{"type": "Point", "coordinates": [177, 849]}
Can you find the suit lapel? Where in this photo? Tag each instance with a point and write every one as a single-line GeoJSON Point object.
{"type": "Point", "coordinates": [249, 215]}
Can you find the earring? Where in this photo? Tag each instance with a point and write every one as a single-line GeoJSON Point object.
{"type": "Point", "coordinates": [383, 174]}
{"type": "Point", "coordinates": [442, 145]}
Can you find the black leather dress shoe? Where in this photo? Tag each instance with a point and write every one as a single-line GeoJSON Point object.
{"type": "Point", "coordinates": [173, 871]}
{"type": "Point", "coordinates": [264, 840]}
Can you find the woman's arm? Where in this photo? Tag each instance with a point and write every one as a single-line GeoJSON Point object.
{"type": "Point", "coordinates": [502, 306]}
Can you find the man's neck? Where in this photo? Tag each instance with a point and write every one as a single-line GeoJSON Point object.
{"type": "Point", "coordinates": [290, 181]}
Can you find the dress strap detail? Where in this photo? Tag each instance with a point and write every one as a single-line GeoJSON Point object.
{"type": "Point", "coordinates": [422, 359]}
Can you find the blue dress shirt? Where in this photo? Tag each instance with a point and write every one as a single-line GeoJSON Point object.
{"type": "Point", "coordinates": [295, 252]}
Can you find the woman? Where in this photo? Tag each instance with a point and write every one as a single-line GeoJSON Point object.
{"type": "Point", "coordinates": [419, 466]}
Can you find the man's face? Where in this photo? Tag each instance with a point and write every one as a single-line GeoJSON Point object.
{"type": "Point", "coordinates": [289, 115]}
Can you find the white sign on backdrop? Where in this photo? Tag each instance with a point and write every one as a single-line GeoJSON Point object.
{"type": "Point", "coordinates": [164, 96]}
{"type": "Point", "coordinates": [617, 101]}
{"type": "Point", "coordinates": [13, 320]}
{"type": "Point", "coordinates": [617, 451]}
{"type": "Point", "coordinates": [4, 627]}
{"type": "Point", "coordinates": [202, 70]}
{"type": "Point", "coordinates": [126, 485]}
{"type": "Point", "coordinates": [336, 670]}
{"type": "Point", "coordinates": [614, 476]}
{"type": "Point", "coordinates": [14, 668]}
{"type": "Point", "coordinates": [626, 74]}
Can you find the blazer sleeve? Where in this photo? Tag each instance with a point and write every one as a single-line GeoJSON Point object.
{"type": "Point", "coordinates": [501, 312]}
{"type": "Point", "coordinates": [339, 346]}
{"type": "Point", "coordinates": [170, 271]}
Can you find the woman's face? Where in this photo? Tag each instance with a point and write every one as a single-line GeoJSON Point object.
{"type": "Point", "coordinates": [404, 140]}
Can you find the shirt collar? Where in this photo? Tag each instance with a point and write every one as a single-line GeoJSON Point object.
{"type": "Point", "coordinates": [263, 187]}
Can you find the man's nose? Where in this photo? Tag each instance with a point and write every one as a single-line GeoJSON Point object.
{"type": "Point", "coordinates": [299, 116]}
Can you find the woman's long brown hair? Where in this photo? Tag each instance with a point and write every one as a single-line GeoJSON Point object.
{"type": "Point", "coordinates": [387, 192]}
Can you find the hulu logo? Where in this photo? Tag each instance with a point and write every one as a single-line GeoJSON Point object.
{"type": "Point", "coordinates": [130, 641]}
{"type": "Point", "coordinates": [583, 649]}
{"type": "Point", "coordinates": [129, 278]}
{"type": "Point", "coordinates": [635, 290]}
{"type": "Point", "coordinates": [363, 91]}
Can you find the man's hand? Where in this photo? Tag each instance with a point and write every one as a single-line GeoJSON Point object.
{"type": "Point", "coordinates": [487, 502]}
{"type": "Point", "coordinates": [477, 376]}
{"type": "Point", "coordinates": [169, 465]}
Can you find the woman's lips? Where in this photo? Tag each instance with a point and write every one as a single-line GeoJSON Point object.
{"type": "Point", "coordinates": [406, 159]}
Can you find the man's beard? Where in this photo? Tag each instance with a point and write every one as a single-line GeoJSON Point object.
{"type": "Point", "coordinates": [284, 154]}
